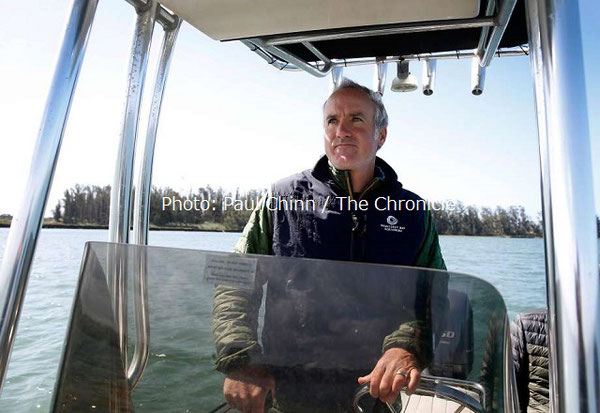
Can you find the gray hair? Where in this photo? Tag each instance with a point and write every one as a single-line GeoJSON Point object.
{"type": "Point", "coordinates": [381, 116]}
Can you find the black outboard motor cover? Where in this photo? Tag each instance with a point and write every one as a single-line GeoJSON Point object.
{"type": "Point", "coordinates": [453, 355]}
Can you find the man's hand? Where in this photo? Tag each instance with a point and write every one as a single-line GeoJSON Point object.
{"type": "Point", "coordinates": [246, 389]}
{"type": "Point", "coordinates": [385, 383]}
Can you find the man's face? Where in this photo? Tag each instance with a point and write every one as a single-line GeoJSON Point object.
{"type": "Point", "coordinates": [349, 123]}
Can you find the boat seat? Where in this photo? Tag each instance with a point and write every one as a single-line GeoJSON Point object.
{"type": "Point", "coordinates": [529, 334]}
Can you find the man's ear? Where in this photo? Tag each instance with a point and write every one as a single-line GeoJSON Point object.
{"type": "Point", "coordinates": [381, 137]}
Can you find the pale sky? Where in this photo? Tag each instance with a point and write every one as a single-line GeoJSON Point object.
{"type": "Point", "coordinates": [231, 120]}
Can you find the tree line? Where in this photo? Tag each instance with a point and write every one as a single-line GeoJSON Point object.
{"type": "Point", "coordinates": [89, 205]}
{"type": "Point", "coordinates": [470, 220]}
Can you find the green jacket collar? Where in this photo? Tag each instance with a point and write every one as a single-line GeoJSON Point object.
{"type": "Point", "coordinates": [342, 180]}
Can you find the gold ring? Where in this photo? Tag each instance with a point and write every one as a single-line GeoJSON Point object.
{"type": "Point", "coordinates": [401, 372]}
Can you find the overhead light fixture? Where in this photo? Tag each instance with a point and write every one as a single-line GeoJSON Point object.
{"type": "Point", "coordinates": [477, 77]}
{"type": "Point", "coordinates": [379, 77]}
{"type": "Point", "coordinates": [428, 76]}
{"type": "Point", "coordinates": [404, 81]}
{"type": "Point", "coordinates": [336, 78]}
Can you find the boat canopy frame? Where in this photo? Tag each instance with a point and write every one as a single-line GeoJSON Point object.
{"type": "Point", "coordinates": [571, 252]}
{"type": "Point", "coordinates": [278, 50]}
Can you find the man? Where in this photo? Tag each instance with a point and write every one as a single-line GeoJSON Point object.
{"type": "Point", "coordinates": [355, 126]}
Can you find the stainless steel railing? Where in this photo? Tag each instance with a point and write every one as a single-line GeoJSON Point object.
{"type": "Point", "coordinates": [120, 198]}
{"type": "Point", "coordinates": [26, 224]}
{"type": "Point", "coordinates": [25, 228]}
{"type": "Point", "coordinates": [570, 238]}
{"type": "Point", "coordinates": [504, 13]}
{"type": "Point", "coordinates": [148, 13]}
{"type": "Point", "coordinates": [492, 29]}
{"type": "Point", "coordinates": [315, 70]}
{"type": "Point", "coordinates": [141, 210]}
{"type": "Point", "coordinates": [442, 387]}
{"type": "Point", "coordinates": [280, 64]}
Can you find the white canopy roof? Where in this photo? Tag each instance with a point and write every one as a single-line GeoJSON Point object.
{"type": "Point", "coordinates": [239, 19]}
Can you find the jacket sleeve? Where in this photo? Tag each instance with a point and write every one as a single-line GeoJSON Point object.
{"type": "Point", "coordinates": [412, 337]}
{"type": "Point", "coordinates": [235, 310]}
{"type": "Point", "coordinates": [416, 336]}
{"type": "Point", "coordinates": [430, 254]}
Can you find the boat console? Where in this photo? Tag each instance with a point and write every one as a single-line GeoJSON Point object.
{"type": "Point", "coordinates": [321, 325]}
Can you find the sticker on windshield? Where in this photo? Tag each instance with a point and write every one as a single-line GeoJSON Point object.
{"type": "Point", "coordinates": [229, 270]}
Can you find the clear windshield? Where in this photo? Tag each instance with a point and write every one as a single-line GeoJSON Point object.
{"type": "Point", "coordinates": [315, 325]}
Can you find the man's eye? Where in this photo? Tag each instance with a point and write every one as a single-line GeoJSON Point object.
{"type": "Point", "coordinates": [356, 119]}
{"type": "Point", "coordinates": [331, 121]}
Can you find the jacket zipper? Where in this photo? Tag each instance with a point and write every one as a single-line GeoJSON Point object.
{"type": "Point", "coordinates": [359, 226]}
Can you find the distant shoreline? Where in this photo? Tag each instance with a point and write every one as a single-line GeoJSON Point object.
{"type": "Point", "coordinates": [55, 225]}
{"type": "Point", "coordinates": [59, 225]}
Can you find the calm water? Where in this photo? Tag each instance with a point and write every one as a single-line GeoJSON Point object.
{"type": "Point", "coordinates": [513, 266]}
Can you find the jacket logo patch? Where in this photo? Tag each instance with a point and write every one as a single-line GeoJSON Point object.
{"type": "Point", "coordinates": [392, 225]}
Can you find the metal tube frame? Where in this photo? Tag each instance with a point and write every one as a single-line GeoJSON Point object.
{"type": "Point", "coordinates": [120, 202]}
{"type": "Point", "coordinates": [462, 54]}
{"type": "Point", "coordinates": [442, 387]}
{"type": "Point", "coordinates": [379, 76]}
{"type": "Point", "coordinates": [315, 70]}
{"type": "Point", "coordinates": [568, 205]}
{"type": "Point", "coordinates": [383, 30]}
{"type": "Point", "coordinates": [167, 19]}
{"type": "Point", "coordinates": [477, 77]}
{"type": "Point", "coordinates": [268, 47]}
{"type": "Point", "coordinates": [141, 212]}
{"type": "Point", "coordinates": [489, 10]}
{"type": "Point", "coordinates": [269, 58]}
{"type": "Point", "coordinates": [26, 225]}
{"type": "Point", "coordinates": [428, 77]}
{"type": "Point", "coordinates": [504, 13]}
{"type": "Point", "coordinates": [337, 74]}
{"type": "Point", "coordinates": [314, 50]}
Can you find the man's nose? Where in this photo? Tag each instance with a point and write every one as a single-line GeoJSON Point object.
{"type": "Point", "coordinates": [343, 130]}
